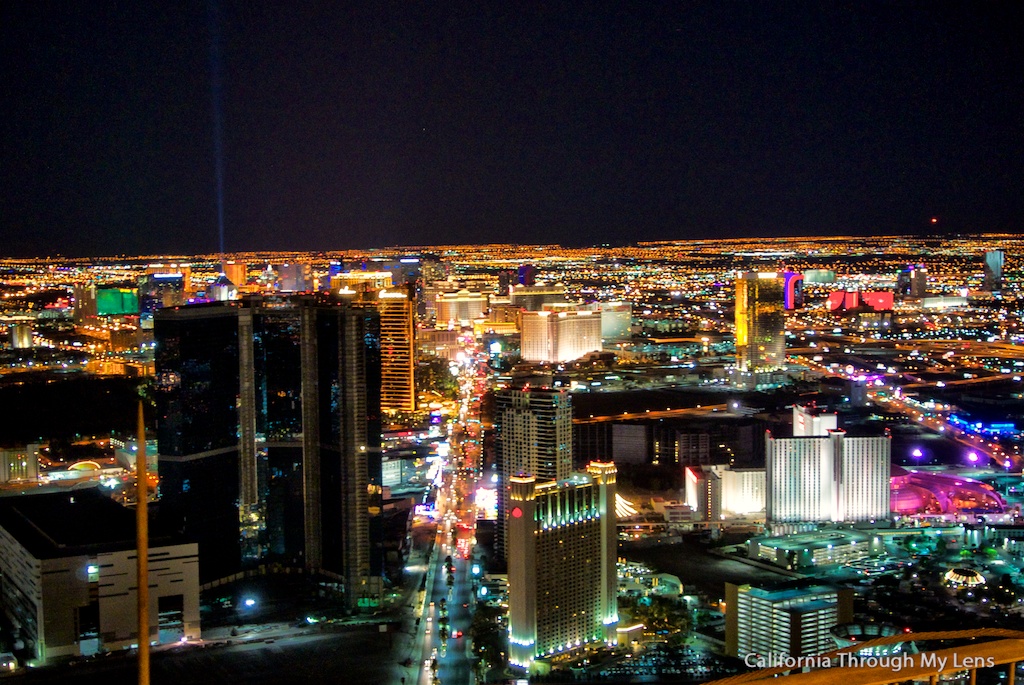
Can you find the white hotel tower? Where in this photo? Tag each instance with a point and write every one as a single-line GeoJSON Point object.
{"type": "Point", "coordinates": [559, 336]}
{"type": "Point", "coordinates": [822, 475]}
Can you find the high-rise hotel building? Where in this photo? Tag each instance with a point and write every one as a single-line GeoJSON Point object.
{"type": "Point", "coordinates": [993, 269]}
{"type": "Point", "coordinates": [459, 308]}
{"type": "Point", "coordinates": [269, 434]}
{"type": "Point", "coordinates": [397, 349]}
{"type": "Point", "coordinates": [533, 437]}
{"type": "Point", "coordinates": [821, 474]}
{"type": "Point", "coordinates": [760, 322]}
{"type": "Point", "coordinates": [361, 281]}
{"type": "Point", "coordinates": [532, 298]}
{"type": "Point", "coordinates": [561, 570]}
{"type": "Point", "coordinates": [559, 336]}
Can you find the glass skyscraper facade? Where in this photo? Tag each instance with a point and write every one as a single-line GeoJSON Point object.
{"type": "Point", "coordinates": [197, 392]}
{"type": "Point", "coordinates": [760, 322]}
{"type": "Point", "coordinates": [269, 434]}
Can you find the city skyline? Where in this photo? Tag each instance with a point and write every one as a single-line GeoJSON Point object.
{"type": "Point", "coordinates": [468, 343]}
{"type": "Point", "coordinates": [368, 439]}
{"type": "Point", "coordinates": [362, 126]}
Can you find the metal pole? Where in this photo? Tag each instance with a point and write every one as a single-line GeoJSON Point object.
{"type": "Point", "coordinates": [142, 548]}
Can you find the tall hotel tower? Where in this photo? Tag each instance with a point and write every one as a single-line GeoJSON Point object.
{"type": "Point", "coordinates": [561, 571]}
{"type": "Point", "coordinates": [993, 269]}
{"type": "Point", "coordinates": [269, 434]}
{"type": "Point", "coordinates": [760, 322]}
{"type": "Point", "coordinates": [821, 474]}
{"type": "Point", "coordinates": [533, 437]}
{"type": "Point", "coordinates": [397, 345]}
{"type": "Point", "coordinates": [549, 336]}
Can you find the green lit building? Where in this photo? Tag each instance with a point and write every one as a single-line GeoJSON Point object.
{"type": "Point", "coordinates": [561, 566]}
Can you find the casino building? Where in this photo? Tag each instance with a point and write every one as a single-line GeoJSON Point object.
{"type": "Point", "coordinates": [561, 566]}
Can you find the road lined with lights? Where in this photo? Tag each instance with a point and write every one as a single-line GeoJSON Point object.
{"type": "Point", "coordinates": [656, 414]}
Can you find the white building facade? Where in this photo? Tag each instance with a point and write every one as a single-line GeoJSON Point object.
{"type": "Point", "coordinates": [67, 595]}
{"type": "Point", "coordinates": [831, 478]}
{"type": "Point", "coordinates": [794, 619]}
{"type": "Point", "coordinates": [557, 337]}
{"type": "Point", "coordinates": [533, 437]}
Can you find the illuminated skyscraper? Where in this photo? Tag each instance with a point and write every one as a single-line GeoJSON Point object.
{"type": "Point", "coordinates": [821, 474]}
{"type": "Point", "coordinates": [812, 421]}
{"type": "Point", "coordinates": [760, 322]}
{"type": "Point", "coordinates": [561, 570]}
{"type": "Point", "coordinates": [794, 289]}
{"type": "Point", "coordinates": [237, 273]}
{"type": "Point", "coordinates": [704, 492]}
{"type": "Point", "coordinates": [559, 336]}
{"type": "Point", "coordinates": [21, 336]}
{"type": "Point", "coordinates": [460, 308]}
{"type": "Point", "coordinates": [85, 302]}
{"type": "Point", "coordinates": [993, 271]}
{"type": "Point", "coordinates": [19, 463]}
{"type": "Point", "coordinates": [616, 320]}
{"type": "Point", "coordinates": [532, 298]}
{"type": "Point", "coordinates": [159, 290]}
{"type": "Point", "coordinates": [269, 434]}
{"type": "Point", "coordinates": [533, 437]}
{"type": "Point", "coordinates": [361, 281]}
{"type": "Point", "coordinates": [912, 282]}
{"type": "Point", "coordinates": [222, 290]}
{"type": "Point", "coordinates": [527, 274]}
{"type": "Point", "coordinates": [397, 349]}
{"type": "Point", "coordinates": [294, 277]}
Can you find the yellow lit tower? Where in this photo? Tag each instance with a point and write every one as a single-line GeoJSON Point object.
{"type": "Point", "coordinates": [397, 345]}
{"type": "Point", "coordinates": [760, 322]}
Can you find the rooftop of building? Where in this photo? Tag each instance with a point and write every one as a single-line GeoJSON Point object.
{"type": "Point", "coordinates": [809, 607]}
{"type": "Point", "coordinates": [63, 524]}
{"type": "Point", "coordinates": [848, 433]}
{"type": "Point", "coordinates": [814, 410]}
{"type": "Point", "coordinates": [789, 589]}
{"type": "Point", "coordinates": [813, 540]}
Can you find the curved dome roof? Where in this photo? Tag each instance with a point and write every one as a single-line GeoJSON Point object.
{"type": "Point", "coordinates": [964, 576]}
{"type": "Point", "coordinates": [85, 466]}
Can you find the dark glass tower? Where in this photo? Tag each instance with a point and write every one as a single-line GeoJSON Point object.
{"type": "Point", "coordinates": [344, 524]}
{"type": "Point", "coordinates": [197, 394]}
{"type": "Point", "coordinates": [277, 399]}
{"type": "Point", "coordinates": [270, 429]}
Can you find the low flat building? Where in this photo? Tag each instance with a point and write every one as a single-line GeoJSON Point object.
{"type": "Point", "coordinates": [68, 576]}
{"type": "Point", "coordinates": [815, 548]}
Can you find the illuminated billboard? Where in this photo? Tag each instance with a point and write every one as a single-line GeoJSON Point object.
{"type": "Point", "coordinates": [117, 301]}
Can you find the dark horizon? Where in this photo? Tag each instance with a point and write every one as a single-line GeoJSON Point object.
{"type": "Point", "coordinates": [347, 127]}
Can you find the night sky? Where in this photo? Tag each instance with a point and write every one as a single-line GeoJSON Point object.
{"type": "Point", "coordinates": [368, 124]}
